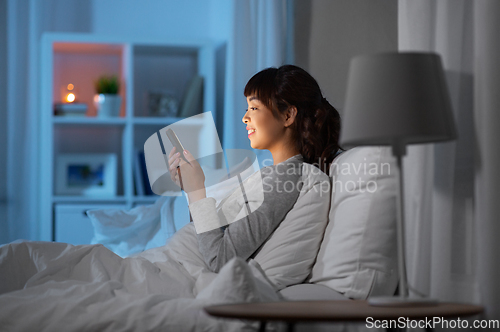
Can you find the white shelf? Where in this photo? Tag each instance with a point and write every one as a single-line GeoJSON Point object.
{"type": "Point", "coordinates": [88, 199]}
{"type": "Point", "coordinates": [145, 199]}
{"type": "Point", "coordinates": [144, 121]}
{"type": "Point", "coordinates": [116, 199]}
{"type": "Point", "coordinates": [87, 120]}
{"type": "Point", "coordinates": [152, 121]}
{"type": "Point", "coordinates": [142, 66]}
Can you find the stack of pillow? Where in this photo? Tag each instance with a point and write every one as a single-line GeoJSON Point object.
{"type": "Point", "coordinates": [347, 240]}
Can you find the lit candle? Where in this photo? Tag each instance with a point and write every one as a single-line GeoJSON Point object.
{"type": "Point", "coordinates": [68, 93]}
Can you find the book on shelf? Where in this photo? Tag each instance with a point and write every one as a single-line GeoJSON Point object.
{"type": "Point", "coordinates": [139, 184]}
{"type": "Point", "coordinates": [142, 185]}
{"type": "Point", "coordinates": [70, 109]}
{"type": "Point", "coordinates": [192, 103]}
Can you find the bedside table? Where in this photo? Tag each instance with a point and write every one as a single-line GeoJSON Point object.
{"type": "Point", "coordinates": [292, 312]}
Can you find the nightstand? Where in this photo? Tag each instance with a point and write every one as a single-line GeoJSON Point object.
{"type": "Point", "coordinates": [292, 312]}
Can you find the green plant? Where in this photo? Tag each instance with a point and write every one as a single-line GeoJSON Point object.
{"type": "Point", "coordinates": [107, 85]}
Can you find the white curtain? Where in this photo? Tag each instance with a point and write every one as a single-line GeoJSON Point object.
{"type": "Point", "coordinates": [487, 127]}
{"type": "Point", "coordinates": [21, 122]}
{"type": "Point", "coordinates": [26, 21]}
{"type": "Point", "coordinates": [452, 194]}
{"type": "Point", "coordinates": [258, 41]}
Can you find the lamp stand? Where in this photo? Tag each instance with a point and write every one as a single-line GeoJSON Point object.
{"type": "Point", "coordinates": [403, 299]}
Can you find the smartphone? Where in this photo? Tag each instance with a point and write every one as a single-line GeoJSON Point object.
{"type": "Point", "coordinates": [176, 143]}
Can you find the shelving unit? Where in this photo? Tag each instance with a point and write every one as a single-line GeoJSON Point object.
{"type": "Point", "coordinates": [141, 66]}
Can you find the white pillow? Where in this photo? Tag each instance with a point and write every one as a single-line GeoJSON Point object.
{"type": "Point", "coordinates": [358, 253]}
{"type": "Point", "coordinates": [130, 231]}
{"type": "Point", "coordinates": [288, 255]}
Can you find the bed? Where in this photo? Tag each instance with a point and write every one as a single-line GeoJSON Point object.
{"type": "Point", "coordinates": [337, 242]}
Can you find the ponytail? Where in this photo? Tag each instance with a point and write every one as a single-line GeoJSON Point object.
{"type": "Point", "coordinates": [317, 136]}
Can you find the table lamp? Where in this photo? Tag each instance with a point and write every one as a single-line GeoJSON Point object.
{"type": "Point", "coordinates": [397, 99]}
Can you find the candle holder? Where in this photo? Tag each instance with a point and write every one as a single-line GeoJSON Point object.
{"type": "Point", "coordinates": [69, 105]}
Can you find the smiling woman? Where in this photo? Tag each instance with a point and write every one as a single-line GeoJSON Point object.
{"type": "Point", "coordinates": [289, 115]}
{"type": "Point", "coordinates": [269, 132]}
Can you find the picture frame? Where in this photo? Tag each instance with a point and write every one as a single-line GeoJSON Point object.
{"type": "Point", "coordinates": [162, 103]}
{"type": "Point", "coordinates": [86, 174]}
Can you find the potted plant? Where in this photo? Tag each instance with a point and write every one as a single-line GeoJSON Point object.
{"type": "Point", "coordinates": [107, 100]}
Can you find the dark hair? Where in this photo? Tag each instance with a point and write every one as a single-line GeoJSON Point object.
{"type": "Point", "coordinates": [316, 127]}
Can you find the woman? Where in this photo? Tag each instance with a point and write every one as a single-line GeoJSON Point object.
{"type": "Point", "coordinates": [55, 286]}
{"type": "Point", "coordinates": [287, 115]}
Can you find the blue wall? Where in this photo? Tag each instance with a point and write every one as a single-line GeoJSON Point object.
{"type": "Point", "coordinates": [187, 18]}
{"type": "Point", "coordinates": [194, 19]}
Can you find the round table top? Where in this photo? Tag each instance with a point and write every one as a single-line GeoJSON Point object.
{"type": "Point", "coordinates": [348, 310]}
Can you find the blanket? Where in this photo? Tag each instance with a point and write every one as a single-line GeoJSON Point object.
{"type": "Point", "coordinates": [47, 286]}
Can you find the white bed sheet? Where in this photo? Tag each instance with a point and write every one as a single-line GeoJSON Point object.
{"type": "Point", "coordinates": [59, 287]}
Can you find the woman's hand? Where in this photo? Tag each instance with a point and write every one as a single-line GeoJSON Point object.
{"type": "Point", "coordinates": [193, 178]}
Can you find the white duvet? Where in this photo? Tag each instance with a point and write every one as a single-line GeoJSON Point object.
{"type": "Point", "coordinates": [59, 287]}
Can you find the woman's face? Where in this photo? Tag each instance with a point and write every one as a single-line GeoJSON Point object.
{"type": "Point", "coordinates": [264, 130]}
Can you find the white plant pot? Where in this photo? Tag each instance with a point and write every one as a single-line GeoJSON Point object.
{"type": "Point", "coordinates": [108, 105]}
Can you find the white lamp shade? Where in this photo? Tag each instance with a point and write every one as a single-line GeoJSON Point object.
{"type": "Point", "coordinates": [395, 99]}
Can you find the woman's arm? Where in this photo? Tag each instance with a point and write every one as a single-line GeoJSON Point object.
{"type": "Point", "coordinates": [281, 187]}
